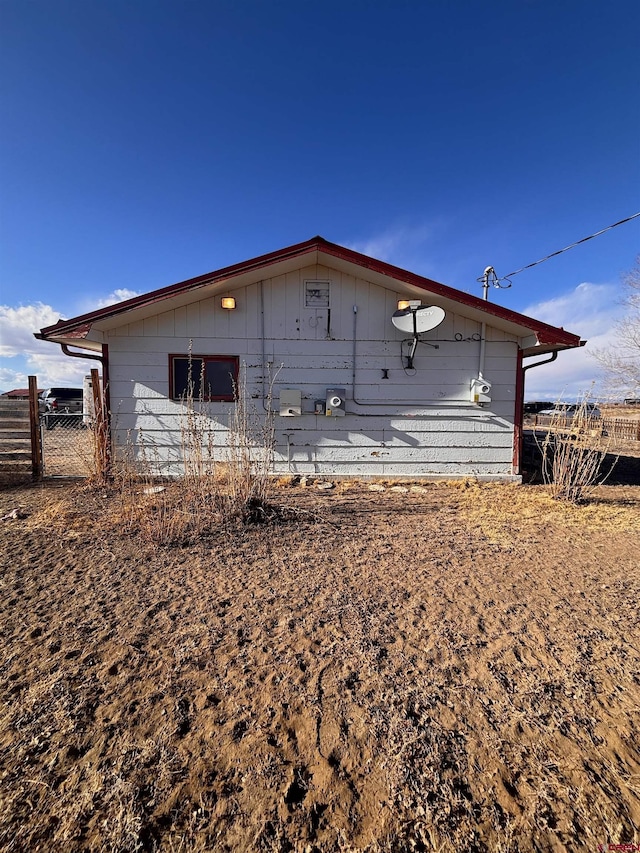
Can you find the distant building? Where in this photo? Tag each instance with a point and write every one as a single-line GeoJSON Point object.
{"type": "Point", "coordinates": [18, 394]}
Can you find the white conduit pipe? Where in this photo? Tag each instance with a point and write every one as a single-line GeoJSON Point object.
{"type": "Point", "coordinates": [483, 349]}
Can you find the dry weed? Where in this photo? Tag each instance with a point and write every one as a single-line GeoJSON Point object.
{"type": "Point", "coordinates": [573, 452]}
{"type": "Point", "coordinates": [220, 484]}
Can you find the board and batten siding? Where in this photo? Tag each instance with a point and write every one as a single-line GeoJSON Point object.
{"type": "Point", "coordinates": [409, 424]}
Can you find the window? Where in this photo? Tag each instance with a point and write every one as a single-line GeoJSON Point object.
{"type": "Point", "coordinates": [220, 373]}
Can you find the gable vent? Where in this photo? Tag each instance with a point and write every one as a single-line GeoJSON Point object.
{"type": "Point", "coordinates": [317, 293]}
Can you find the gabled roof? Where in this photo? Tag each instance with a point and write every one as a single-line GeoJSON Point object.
{"type": "Point", "coordinates": [317, 250]}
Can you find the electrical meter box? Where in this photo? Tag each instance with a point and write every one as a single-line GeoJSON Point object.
{"type": "Point", "coordinates": [334, 407]}
{"type": "Point", "coordinates": [290, 402]}
{"type": "Point", "coordinates": [480, 391]}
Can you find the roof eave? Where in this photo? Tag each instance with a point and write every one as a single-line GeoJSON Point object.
{"type": "Point", "coordinates": [72, 340]}
{"type": "Point", "coordinates": [549, 347]}
{"type": "Point", "coordinates": [81, 326]}
{"type": "Point", "coordinates": [263, 261]}
{"type": "Point", "coordinates": [543, 331]}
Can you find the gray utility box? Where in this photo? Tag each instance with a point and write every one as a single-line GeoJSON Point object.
{"type": "Point", "coordinates": [335, 403]}
{"type": "Point", "coordinates": [290, 402]}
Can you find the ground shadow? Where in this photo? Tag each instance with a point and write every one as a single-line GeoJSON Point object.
{"type": "Point", "coordinates": [621, 469]}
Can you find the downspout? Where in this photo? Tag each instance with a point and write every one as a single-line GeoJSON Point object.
{"type": "Point", "coordinates": [104, 361]}
{"type": "Point", "coordinates": [519, 413]}
{"type": "Point", "coordinates": [554, 356]}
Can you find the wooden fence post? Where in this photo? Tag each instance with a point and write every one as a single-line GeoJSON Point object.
{"type": "Point", "coordinates": [100, 427]}
{"type": "Point", "coordinates": [34, 422]}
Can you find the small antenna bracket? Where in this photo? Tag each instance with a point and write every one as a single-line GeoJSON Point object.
{"type": "Point", "coordinates": [488, 278]}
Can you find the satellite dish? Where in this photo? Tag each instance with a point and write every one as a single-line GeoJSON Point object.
{"type": "Point", "coordinates": [414, 320]}
{"type": "Point", "coordinates": [418, 320]}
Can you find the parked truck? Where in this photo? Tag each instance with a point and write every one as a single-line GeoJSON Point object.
{"type": "Point", "coordinates": [59, 405]}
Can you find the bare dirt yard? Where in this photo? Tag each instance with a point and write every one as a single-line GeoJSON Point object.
{"type": "Point", "coordinates": [448, 667]}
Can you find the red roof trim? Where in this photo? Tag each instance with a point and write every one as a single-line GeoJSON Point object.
{"type": "Point", "coordinates": [544, 330]}
{"type": "Point", "coordinates": [182, 286]}
{"type": "Point", "coordinates": [546, 333]}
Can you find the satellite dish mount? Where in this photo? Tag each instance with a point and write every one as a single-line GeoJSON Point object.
{"type": "Point", "coordinates": [416, 319]}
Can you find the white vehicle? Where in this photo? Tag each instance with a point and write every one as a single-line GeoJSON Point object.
{"type": "Point", "coordinates": [569, 411]}
{"type": "Point", "coordinates": [61, 406]}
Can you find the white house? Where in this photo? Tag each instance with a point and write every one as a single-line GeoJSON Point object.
{"type": "Point", "coordinates": [434, 391]}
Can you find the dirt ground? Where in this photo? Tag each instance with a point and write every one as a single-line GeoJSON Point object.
{"type": "Point", "coordinates": [448, 667]}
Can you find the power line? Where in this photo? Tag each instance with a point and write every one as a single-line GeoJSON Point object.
{"type": "Point", "coordinates": [497, 281]}
{"type": "Point", "coordinates": [572, 245]}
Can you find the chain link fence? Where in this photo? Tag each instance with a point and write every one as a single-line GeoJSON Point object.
{"type": "Point", "coordinates": [68, 445]}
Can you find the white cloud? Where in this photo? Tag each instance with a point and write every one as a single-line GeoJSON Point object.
{"type": "Point", "coordinates": [120, 294]}
{"type": "Point", "coordinates": [52, 368]}
{"type": "Point", "coordinates": [17, 326]}
{"type": "Point", "coordinates": [22, 355]}
{"type": "Point", "coordinates": [400, 245]}
{"type": "Point", "coordinates": [56, 368]}
{"type": "Point", "coordinates": [11, 379]}
{"type": "Point", "coordinates": [590, 310]}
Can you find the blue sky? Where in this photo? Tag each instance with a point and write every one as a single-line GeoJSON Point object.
{"type": "Point", "coordinates": [146, 142]}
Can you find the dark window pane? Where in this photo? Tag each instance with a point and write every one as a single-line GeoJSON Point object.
{"type": "Point", "coordinates": [220, 377]}
{"type": "Point", "coordinates": [220, 374]}
{"type": "Point", "coordinates": [181, 376]}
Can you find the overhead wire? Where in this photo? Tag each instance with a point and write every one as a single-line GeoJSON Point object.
{"type": "Point", "coordinates": [565, 249]}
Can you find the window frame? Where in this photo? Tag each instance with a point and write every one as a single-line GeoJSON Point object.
{"type": "Point", "coordinates": [213, 398]}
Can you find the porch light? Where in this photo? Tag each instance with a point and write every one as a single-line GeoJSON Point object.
{"type": "Point", "coordinates": [228, 302]}
{"type": "Point", "coordinates": [403, 304]}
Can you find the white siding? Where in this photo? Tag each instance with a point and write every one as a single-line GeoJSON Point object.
{"type": "Point", "coordinates": [409, 424]}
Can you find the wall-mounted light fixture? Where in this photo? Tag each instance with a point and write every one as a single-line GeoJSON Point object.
{"type": "Point", "coordinates": [228, 302]}
{"type": "Point", "coordinates": [403, 304]}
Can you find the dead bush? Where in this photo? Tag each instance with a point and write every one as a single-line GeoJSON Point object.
{"type": "Point", "coordinates": [573, 452]}
{"type": "Point", "coordinates": [223, 482]}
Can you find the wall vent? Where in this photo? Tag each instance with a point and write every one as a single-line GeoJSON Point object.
{"type": "Point", "coordinates": [317, 293]}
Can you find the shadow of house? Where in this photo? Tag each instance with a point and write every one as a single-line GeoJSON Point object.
{"type": "Point", "coordinates": [616, 469]}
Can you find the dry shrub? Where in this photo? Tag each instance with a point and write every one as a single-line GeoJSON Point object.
{"type": "Point", "coordinates": [573, 451]}
{"type": "Point", "coordinates": [250, 457]}
{"type": "Point", "coordinates": [220, 484]}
